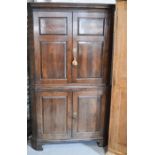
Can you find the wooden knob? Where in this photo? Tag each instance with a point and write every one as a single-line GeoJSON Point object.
{"type": "Point", "coordinates": [74, 62]}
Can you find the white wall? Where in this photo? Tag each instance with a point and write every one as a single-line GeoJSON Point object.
{"type": "Point", "coordinates": [77, 1]}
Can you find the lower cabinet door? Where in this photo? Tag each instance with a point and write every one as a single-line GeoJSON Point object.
{"type": "Point", "coordinates": [53, 115]}
{"type": "Point", "coordinates": [88, 114]}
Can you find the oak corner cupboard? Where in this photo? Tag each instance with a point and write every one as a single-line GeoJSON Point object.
{"type": "Point", "coordinates": [69, 62]}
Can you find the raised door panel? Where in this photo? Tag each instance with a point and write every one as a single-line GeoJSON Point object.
{"type": "Point", "coordinates": [90, 60]}
{"type": "Point", "coordinates": [88, 114]}
{"type": "Point", "coordinates": [88, 111]}
{"type": "Point", "coordinates": [53, 25]}
{"type": "Point", "coordinates": [90, 26]}
{"type": "Point", "coordinates": [53, 122]}
{"type": "Point", "coordinates": [53, 115]}
{"type": "Point", "coordinates": [91, 46]}
{"type": "Point", "coordinates": [52, 46]}
{"type": "Point", "coordinates": [51, 53]}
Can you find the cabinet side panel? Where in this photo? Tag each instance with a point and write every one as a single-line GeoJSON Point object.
{"type": "Point", "coordinates": [118, 113]}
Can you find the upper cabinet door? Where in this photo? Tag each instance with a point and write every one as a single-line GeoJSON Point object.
{"type": "Point", "coordinates": [52, 46]}
{"type": "Point", "coordinates": [91, 46]}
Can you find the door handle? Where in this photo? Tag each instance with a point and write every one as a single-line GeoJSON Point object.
{"type": "Point", "coordinates": [74, 62]}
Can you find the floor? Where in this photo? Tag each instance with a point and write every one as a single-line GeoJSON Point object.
{"type": "Point", "coordinates": [86, 148]}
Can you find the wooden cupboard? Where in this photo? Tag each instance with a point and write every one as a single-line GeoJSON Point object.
{"type": "Point", "coordinates": [69, 56]}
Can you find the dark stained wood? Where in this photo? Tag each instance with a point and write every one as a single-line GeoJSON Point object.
{"type": "Point", "coordinates": [54, 111]}
{"type": "Point", "coordinates": [89, 111]}
{"type": "Point", "coordinates": [91, 47]}
{"type": "Point", "coordinates": [53, 122]}
{"type": "Point", "coordinates": [54, 5]}
{"type": "Point", "coordinates": [68, 87]}
{"type": "Point", "coordinates": [52, 46]}
{"type": "Point", "coordinates": [90, 26]}
{"type": "Point", "coordinates": [90, 60]}
{"type": "Point", "coordinates": [53, 60]}
{"type": "Point", "coordinates": [53, 25]}
{"type": "Point", "coordinates": [117, 144]}
{"type": "Point", "coordinates": [69, 103]}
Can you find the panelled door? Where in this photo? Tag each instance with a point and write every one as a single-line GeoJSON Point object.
{"type": "Point", "coordinates": [52, 46]}
{"type": "Point", "coordinates": [64, 115]}
{"type": "Point", "coordinates": [88, 114]}
{"type": "Point", "coordinates": [90, 46]}
{"type": "Point", "coordinates": [63, 37]}
{"type": "Point", "coordinates": [54, 111]}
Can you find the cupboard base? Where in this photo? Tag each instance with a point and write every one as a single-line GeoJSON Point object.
{"type": "Point", "coordinates": [37, 144]}
{"type": "Point", "coordinates": [101, 143]}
